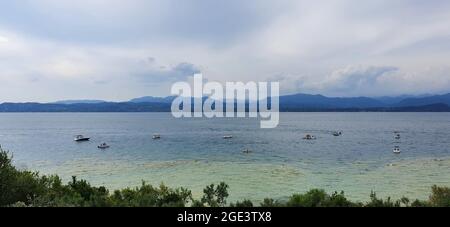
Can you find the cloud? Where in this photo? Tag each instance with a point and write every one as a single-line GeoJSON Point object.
{"type": "Point", "coordinates": [117, 50]}
{"type": "Point", "coordinates": [101, 82]}
{"type": "Point", "coordinates": [356, 79]}
{"type": "Point", "coordinates": [98, 21]}
{"type": "Point", "coordinates": [154, 73]}
{"type": "Point", "coordinates": [3, 39]}
{"type": "Point", "coordinates": [185, 68]}
{"type": "Point", "coordinates": [360, 80]}
{"type": "Point", "coordinates": [32, 69]}
{"type": "Point", "coordinates": [423, 81]}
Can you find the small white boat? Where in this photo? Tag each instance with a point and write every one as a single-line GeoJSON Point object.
{"type": "Point", "coordinates": [396, 150]}
{"type": "Point", "coordinates": [228, 137]}
{"type": "Point", "coordinates": [309, 137]}
{"type": "Point", "coordinates": [337, 133]}
{"type": "Point", "coordinates": [103, 146]}
{"type": "Point", "coordinates": [156, 137]}
{"type": "Point", "coordinates": [81, 138]}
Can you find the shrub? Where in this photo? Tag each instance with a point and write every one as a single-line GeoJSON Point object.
{"type": "Point", "coordinates": [215, 196]}
{"type": "Point", "coordinates": [15, 186]}
{"type": "Point", "coordinates": [319, 198]}
{"type": "Point", "coordinates": [376, 202]}
{"type": "Point", "coordinates": [440, 196]}
{"type": "Point", "coordinates": [149, 196]}
{"type": "Point", "coordinates": [268, 202]}
{"type": "Point", "coordinates": [245, 203]}
{"type": "Point", "coordinates": [313, 198]}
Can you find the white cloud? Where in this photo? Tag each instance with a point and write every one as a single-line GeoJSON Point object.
{"type": "Point", "coordinates": [356, 79]}
{"type": "Point", "coordinates": [360, 80]}
{"type": "Point", "coordinates": [3, 39]}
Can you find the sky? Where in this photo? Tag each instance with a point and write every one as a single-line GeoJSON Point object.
{"type": "Point", "coordinates": [117, 50]}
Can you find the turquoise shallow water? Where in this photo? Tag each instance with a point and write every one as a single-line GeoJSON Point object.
{"type": "Point", "coordinates": [193, 154]}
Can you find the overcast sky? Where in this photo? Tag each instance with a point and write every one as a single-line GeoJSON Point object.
{"type": "Point", "coordinates": [116, 50]}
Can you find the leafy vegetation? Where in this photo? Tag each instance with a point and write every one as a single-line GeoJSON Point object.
{"type": "Point", "coordinates": [28, 189]}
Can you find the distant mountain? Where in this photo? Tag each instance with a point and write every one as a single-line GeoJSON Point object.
{"type": "Point", "coordinates": [390, 100]}
{"type": "Point", "coordinates": [435, 99]}
{"type": "Point", "coordinates": [85, 107]}
{"type": "Point", "coordinates": [288, 103]}
{"type": "Point", "coordinates": [150, 99]}
{"type": "Point", "coordinates": [323, 102]}
{"type": "Point", "coordinates": [77, 101]}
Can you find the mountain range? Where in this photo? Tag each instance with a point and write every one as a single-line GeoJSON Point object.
{"type": "Point", "coordinates": [288, 103]}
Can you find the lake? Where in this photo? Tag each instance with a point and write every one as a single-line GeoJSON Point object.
{"type": "Point", "coordinates": [192, 152]}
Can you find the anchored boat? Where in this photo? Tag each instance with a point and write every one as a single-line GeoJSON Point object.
{"type": "Point", "coordinates": [103, 146]}
{"type": "Point", "coordinates": [337, 133]}
{"type": "Point", "coordinates": [81, 138]}
{"type": "Point", "coordinates": [309, 137]}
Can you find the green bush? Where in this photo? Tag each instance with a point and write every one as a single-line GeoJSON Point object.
{"type": "Point", "coordinates": [245, 203]}
{"type": "Point", "coordinates": [377, 202]}
{"type": "Point", "coordinates": [313, 198]}
{"type": "Point", "coordinates": [268, 202]}
{"type": "Point", "coordinates": [149, 196]}
{"type": "Point", "coordinates": [214, 196]}
{"type": "Point", "coordinates": [15, 186]}
{"type": "Point", "coordinates": [440, 196]}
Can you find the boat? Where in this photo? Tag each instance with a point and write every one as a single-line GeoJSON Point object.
{"type": "Point", "coordinates": [103, 146]}
{"type": "Point", "coordinates": [81, 138]}
{"type": "Point", "coordinates": [246, 151]}
{"type": "Point", "coordinates": [156, 137]}
{"type": "Point", "coordinates": [397, 137]}
{"type": "Point", "coordinates": [337, 133]}
{"type": "Point", "coordinates": [309, 137]}
{"type": "Point", "coordinates": [228, 137]}
{"type": "Point", "coordinates": [396, 150]}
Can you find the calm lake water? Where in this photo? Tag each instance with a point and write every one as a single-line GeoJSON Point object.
{"type": "Point", "coordinates": [192, 153]}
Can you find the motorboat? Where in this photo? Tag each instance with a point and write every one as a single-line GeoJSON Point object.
{"type": "Point", "coordinates": [396, 150]}
{"type": "Point", "coordinates": [309, 137]}
{"type": "Point", "coordinates": [228, 137]}
{"type": "Point", "coordinates": [397, 137]}
{"type": "Point", "coordinates": [81, 138]}
{"type": "Point", "coordinates": [156, 136]}
{"type": "Point", "coordinates": [103, 146]}
{"type": "Point", "coordinates": [337, 133]}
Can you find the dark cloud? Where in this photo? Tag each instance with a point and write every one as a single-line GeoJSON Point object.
{"type": "Point", "coordinates": [163, 74]}
{"type": "Point", "coordinates": [186, 68]}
